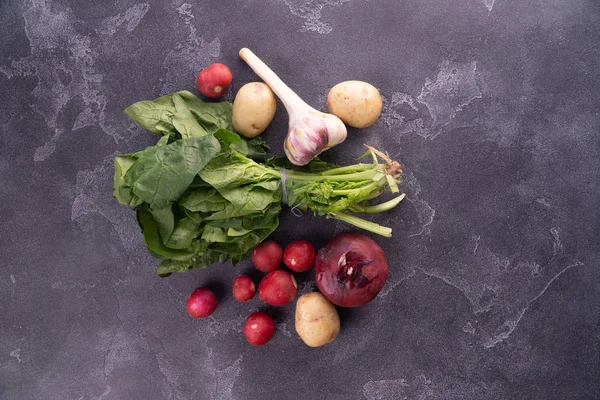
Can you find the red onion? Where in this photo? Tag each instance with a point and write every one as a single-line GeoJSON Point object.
{"type": "Point", "coordinates": [350, 270]}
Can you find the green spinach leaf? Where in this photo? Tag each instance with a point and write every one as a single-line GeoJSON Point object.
{"type": "Point", "coordinates": [122, 191]}
{"type": "Point", "coordinates": [212, 116]}
{"type": "Point", "coordinates": [184, 233]}
{"type": "Point", "coordinates": [201, 200]}
{"type": "Point", "coordinates": [181, 114]}
{"type": "Point", "coordinates": [231, 169]}
{"type": "Point", "coordinates": [163, 172]}
{"type": "Point", "coordinates": [151, 233]}
{"type": "Point", "coordinates": [165, 220]}
{"type": "Point", "coordinates": [248, 199]}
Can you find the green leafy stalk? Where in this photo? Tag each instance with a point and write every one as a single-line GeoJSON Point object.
{"type": "Point", "coordinates": [204, 195]}
{"type": "Point", "coordinates": [363, 224]}
{"type": "Point", "coordinates": [388, 205]}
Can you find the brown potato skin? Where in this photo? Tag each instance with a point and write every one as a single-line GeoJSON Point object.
{"type": "Point", "coordinates": [253, 109]}
{"type": "Point", "coordinates": [357, 103]}
{"type": "Point", "coordinates": [317, 320]}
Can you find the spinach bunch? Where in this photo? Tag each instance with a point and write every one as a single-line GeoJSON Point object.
{"type": "Point", "coordinates": [203, 194]}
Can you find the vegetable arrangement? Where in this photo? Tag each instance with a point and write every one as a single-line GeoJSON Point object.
{"type": "Point", "coordinates": [203, 194]}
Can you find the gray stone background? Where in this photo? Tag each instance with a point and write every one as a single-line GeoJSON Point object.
{"type": "Point", "coordinates": [491, 106]}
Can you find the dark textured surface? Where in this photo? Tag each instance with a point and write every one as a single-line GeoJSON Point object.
{"type": "Point", "coordinates": [492, 107]}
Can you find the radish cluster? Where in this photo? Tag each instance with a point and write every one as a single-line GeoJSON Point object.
{"type": "Point", "coordinates": [350, 270]}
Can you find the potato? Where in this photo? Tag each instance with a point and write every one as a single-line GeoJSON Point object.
{"type": "Point", "coordinates": [253, 109]}
{"type": "Point", "coordinates": [317, 320]}
{"type": "Point", "coordinates": [356, 103]}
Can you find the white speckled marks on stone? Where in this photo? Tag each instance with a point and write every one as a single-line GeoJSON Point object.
{"type": "Point", "coordinates": [425, 213]}
{"type": "Point", "coordinates": [18, 68]}
{"type": "Point", "coordinates": [543, 201]}
{"type": "Point", "coordinates": [476, 239]}
{"type": "Point", "coordinates": [468, 328]}
{"type": "Point", "coordinates": [393, 116]}
{"type": "Point", "coordinates": [121, 350]}
{"type": "Point", "coordinates": [85, 118]}
{"type": "Point", "coordinates": [454, 88]}
{"type": "Point", "coordinates": [225, 379]}
{"type": "Point", "coordinates": [499, 292]}
{"type": "Point", "coordinates": [221, 386]}
{"type": "Point", "coordinates": [511, 324]}
{"type": "Point", "coordinates": [217, 327]}
{"type": "Point", "coordinates": [394, 282]}
{"type": "Point", "coordinates": [398, 389]}
{"type": "Point", "coordinates": [283, 328]}
{"type": "Point", "coordinates": [219, 376]}
{"type": "Point", "coordinates": [310, 12]}
{"type": "Point", "coordinates": [106, 392]}
{"type": "Point", "coordinates": [93, 195]}
{"type": "Point", "coordinates": [79, 288]}
{"type": "Point", "coordinates": [63, 61]}
{"type": "Point", "coordinates": [195, 53]}
{"type": "Point", "coordinates": [531, 266]}
{"type": "Point", "coordinates": [489, 4]}
{"type": "Point", "coordinates": [558, 247]}
{"type": "Point", "coordinates": [481, 297]}
{"type": "Point", "coordinates": [438, 103]}
{"type": "Point", "coordinates": [131, 17]}
{"type": "Point", "coordinates": [496, 287]}
{"type": "Point", "coordinates": [16, 353]}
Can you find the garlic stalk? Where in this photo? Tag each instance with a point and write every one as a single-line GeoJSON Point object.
{"type": "Point", "coordinates": [310, 131]}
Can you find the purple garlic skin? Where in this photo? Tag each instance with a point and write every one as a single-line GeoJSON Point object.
{"type": "Point", "coordinates": [310, 131]}
{"type": "Point", "coordinates": [312, 134]}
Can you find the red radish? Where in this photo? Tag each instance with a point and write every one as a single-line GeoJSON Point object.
{"type": "Point", "coordinates": [213, 80]}
{"type": "Point", "coordinates": [201, 303]}
{"type": "Point", "coordinates": [267, 256]}
{"type": "Point", "coordinates": [277, 288]}
{"type": "Point", "coordinates": [350, 270]}
{"type": "Point", "coordinates": [299, 256]}
{"type": "Point", "coordinates": [243, 288]}
{"type": "Point", "coordinates": [259, 328]}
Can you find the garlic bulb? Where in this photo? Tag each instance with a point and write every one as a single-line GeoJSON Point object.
{"type": "Point", "coordinates": [310, 131]}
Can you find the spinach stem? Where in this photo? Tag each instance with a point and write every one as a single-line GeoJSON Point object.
{"type": "Point", "coordinates": [362, 223]}
{"type": "Point", "coordinates": [388, 205]}
{"type": "Point", "coordinates": [304, 176]}
{"type": "Point", "coordinates": [344, 192]}
{"type": "Point", "coordinates": [349, 168]}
